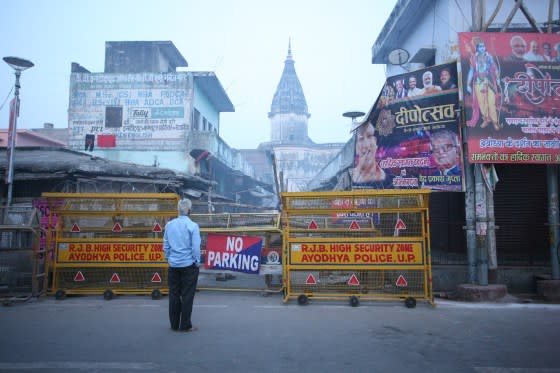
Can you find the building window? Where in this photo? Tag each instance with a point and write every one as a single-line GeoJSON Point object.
{"type": "Point", "coordinates": [113, 116]}
{"type": "Point", "coordinates": [196, 120]}
{"type": "Point", "coordinates": [204, 124]}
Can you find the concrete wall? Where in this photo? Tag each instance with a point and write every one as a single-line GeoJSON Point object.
{"type": "Point", "coordinates": [203, 105]}
{"type": "Point", "coordinates": [342, 160]}
{"type": "Point", "coordinates": [300, 164]}
{"type": "Point", "coordinates": [289, 128]}
{"type": "Point", "coordinates": [519, 280]}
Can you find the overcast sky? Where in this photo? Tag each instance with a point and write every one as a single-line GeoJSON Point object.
{"type": "Point", "coordinates": [245, 42]}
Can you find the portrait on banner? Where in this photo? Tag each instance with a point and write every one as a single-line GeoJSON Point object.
{"type": "Point", "coordinates": [410, 138]}
{"type": "Point", "coordinates": [511, 90]}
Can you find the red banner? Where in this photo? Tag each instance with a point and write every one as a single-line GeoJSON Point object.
{"type": "Point", "coordinates": [234, 253]}
{"type": "Point", "coordinates": [106, 141]}
{"type": "Point", "coordinates": [511, 88]}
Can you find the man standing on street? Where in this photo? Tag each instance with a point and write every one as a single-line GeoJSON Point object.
{"type": "Point", "coordinates": [181, 246]}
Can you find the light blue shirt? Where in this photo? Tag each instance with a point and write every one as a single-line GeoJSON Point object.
{"type": "Point", "coordinates": [181, 242]}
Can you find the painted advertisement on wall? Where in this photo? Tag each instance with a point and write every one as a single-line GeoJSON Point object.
{"type": "Point", "coordinates": [511, 88]}
{"type": "Point", "coordinates": [411, 136]}
{"type": "Point", "coordinates": [146, 111]}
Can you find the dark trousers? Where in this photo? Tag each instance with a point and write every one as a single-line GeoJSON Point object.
{"type": "Point", "coordinates": [182, 286]}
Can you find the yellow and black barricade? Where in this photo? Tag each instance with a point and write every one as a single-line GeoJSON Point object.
{"type": "Point", "coordinates": [110, 243]}
{"type": "Point", "coordinates": [22, 261]}
{"type": "Point", "coordinates": [370, 244]}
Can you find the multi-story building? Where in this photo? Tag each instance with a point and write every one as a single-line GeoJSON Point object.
{"type": "Point", "coordinates": [142, 110]}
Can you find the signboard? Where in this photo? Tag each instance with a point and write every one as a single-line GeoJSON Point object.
{"type": "Point", "coordinates": [233, 253]}
{"type": "Point", "coordinates": [271, 261]}
{"type": "Point", "coordinates": [511, 88]}
{"type": "Point", "coordinates": [145, 111]}
{"type": "Point", "coordinates": [410, 138]}
{"type": "Point", "coordinates": [48, 222]}
{"type": "Point", "coordinates": [110, 253]}
{"type": "Point", "coordinates": [366, 253]}
{"type": "Point", "coordinates": [349, 216]}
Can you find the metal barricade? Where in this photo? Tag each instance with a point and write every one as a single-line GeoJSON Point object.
{"type": "Point", "coordinates": [263, 227]}
{"type": "Point", "coordinates": [371, 244]}
{"type": "Point", "coordinates": [110, 243]}
{"type": "Point", "coordinates": [22, 262]}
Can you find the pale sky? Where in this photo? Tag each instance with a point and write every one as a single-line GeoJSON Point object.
{"type": "Point", "coordinates": [245, 42]}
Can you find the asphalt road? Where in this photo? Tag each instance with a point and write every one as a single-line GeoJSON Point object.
{"type": "Point", "coordinates": [247, 332]}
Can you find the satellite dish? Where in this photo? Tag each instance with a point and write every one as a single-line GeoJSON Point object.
{"type": "Point", "coordinates": [398, 56]}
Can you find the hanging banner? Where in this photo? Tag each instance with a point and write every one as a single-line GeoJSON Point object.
{"type": "Point", "coordinates": [511, 89]}
{"type": "Point", "coordinates": [411, 138]}
{"type": "Point", "coordinates": [233, 253]}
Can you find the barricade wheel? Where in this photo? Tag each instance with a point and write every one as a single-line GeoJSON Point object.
{"type": "Point", "coordinates": [60, 295]}
{"type": "Point", "coordinates": [108, 294]}
{"type": "Point", "coordinates": [156, 294]}
{"type": "Point", "coordinates": [410, 302]}
{"type": "Point", "coordinates": [303, 300]}
{"type": "Point", "coordinates": [354, 301]}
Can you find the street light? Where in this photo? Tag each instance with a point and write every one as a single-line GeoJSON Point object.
{"type": "Point", "coordinates": [19, 65]}
{"type": "Point", "coordinates": [353, 115]}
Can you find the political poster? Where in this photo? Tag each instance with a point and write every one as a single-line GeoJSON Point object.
{"type": "Point", "coordinates": [233, 253]}
{"type": "Point", "coordinates": [410, 138]}
{"type": "Point", "coordinates": [511, 90]}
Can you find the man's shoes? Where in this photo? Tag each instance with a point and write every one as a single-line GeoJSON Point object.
{"type": "Point", "coordinates": [191, 329]}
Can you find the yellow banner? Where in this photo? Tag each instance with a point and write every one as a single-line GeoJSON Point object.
{"type": "Point", "coordinates": [364, 253]}
{"type": "Point", "coordinates": [110, 253]}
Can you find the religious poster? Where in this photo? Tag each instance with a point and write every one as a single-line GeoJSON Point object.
{"type": "Point", "coordinates": [511, 90]}
{"type": "Point", "coordinates": [410, 137]}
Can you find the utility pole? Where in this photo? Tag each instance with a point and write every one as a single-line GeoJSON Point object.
{"type": "Point", "coordinates": [19, 65]}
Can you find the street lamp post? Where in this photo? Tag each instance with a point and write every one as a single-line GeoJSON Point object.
{"type": "Point", "coordinates": [353, 115]}
{"type": "Point", "coordinates": [19, 65]}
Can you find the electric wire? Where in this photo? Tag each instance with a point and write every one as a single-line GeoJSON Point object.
{"type": "Point", "coordinates": [6, 99]}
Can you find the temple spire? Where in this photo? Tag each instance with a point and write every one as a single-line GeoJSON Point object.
{"type": "Point", "coordinates": [289, 57]}
{"type": "Point", "coordinates": [289, 97]}
{"type": "Point", "coordinates": [288, 111]}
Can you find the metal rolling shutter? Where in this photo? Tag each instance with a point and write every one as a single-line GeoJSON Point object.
{"type": "Point", "coordinates": [520, 206]}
